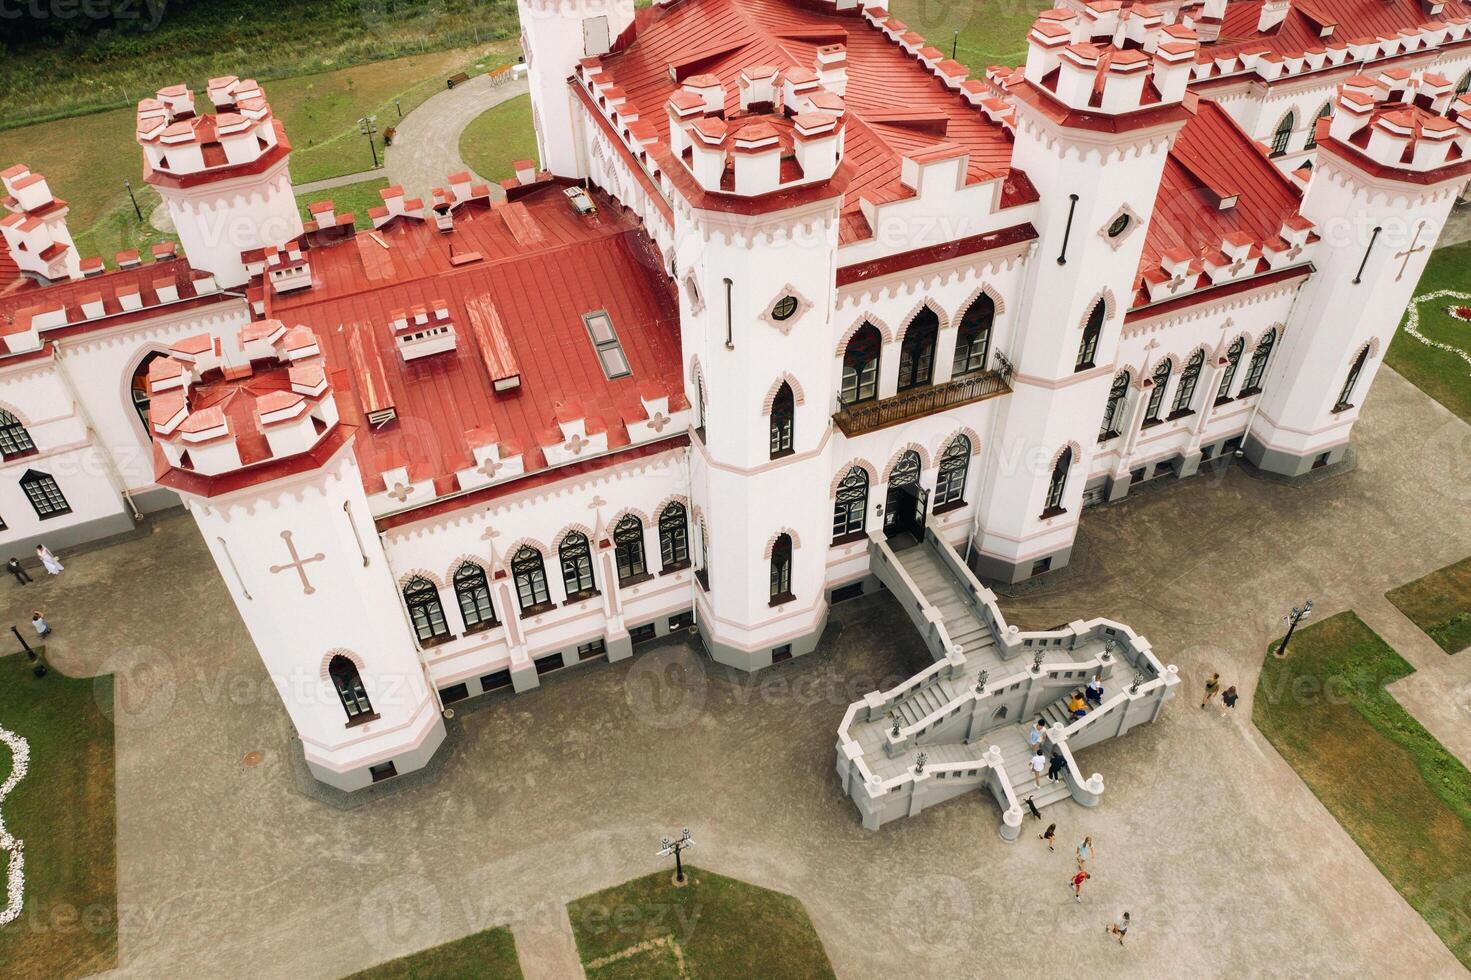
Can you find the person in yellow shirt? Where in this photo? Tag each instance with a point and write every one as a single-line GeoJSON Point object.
{"type": "Point", "coordinates": [1077, 705]}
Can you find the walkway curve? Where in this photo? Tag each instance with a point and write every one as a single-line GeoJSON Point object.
{"type": "Point", "coordinates": [426, 142]}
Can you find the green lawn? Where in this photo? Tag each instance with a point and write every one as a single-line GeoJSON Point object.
{"type": "Point", "coordinates": [490, 955]}
{"type": "Point", "coordinates": [1440, 604]}
{"type": "Point", "coordinates": [722, 928]}
{"type": "Point", "coordinates": [86, 159]}
{"type": "Point", "coordinates": [1444, 375]}
{"type": "Point", "coordinates": [64, 811]}
{"type": "Point", "coordinates": [991, 33]}
{"type": "Point", "coordinates": [64, 65]}
{"type": "Point", "coordinates": [1398, 793]}
{"type": "Point", "coordinates": [499, 137]}
{"type": "Point", "coordinates": [357, 198]}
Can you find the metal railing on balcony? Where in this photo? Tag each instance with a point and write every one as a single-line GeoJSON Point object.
{"type": "Point", "coordinates": [862, 417]}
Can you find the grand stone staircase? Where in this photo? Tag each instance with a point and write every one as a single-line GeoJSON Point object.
{"type": "Point", "coordinates": [961, 724]}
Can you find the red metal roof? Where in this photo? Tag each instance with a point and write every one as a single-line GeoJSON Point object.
{"type": "Point", "coordinates": [1300, 30]}
{"type": "Point", "coordinates": [886, 87]}
{"type": "Point", "coordinates": [581, 264]}
{"type": "Point", "coordinates": [1214, 158]}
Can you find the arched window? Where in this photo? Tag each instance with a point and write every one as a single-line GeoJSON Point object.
{"type": "Point", "coordinates": [473, 593]}
{"type": "Point", "coordinates": [139, 390]}
{"type": "Point", "coordinates": [1161, 381]}
{"type": "Point", "coordinates": [44, 494]}
{"type": "Point", "coordinates": [1228, 376]}
{"type": "Point", "coordinates": [422, 598]}
{"type": "Point", "coordinates": [850, 509]}
{"type": "Point", "coordinates": [674, 538]}
{"type": "Point", "coordinates": [14, 439]}
{"type": "Point", "coordinates": [628, 549]}
{"type": "Point", "coordinates": [531, 579]}
{"type": "Point", "coordinates": [954, 464]}
{"type": "Point", "coordinates": [1185, 391]}
{"type": "Point", "coordinates": [781, 569]}
{"type": "Point", "coordinates": [1283, 136]}
{"type": "Point", "coordinates": [349, 685]}
{"type": "Point", "coordinates": [783, 409]}
{"type": "Point", "coordinates": [1088, 348]}
{"type": "Point", "coordinates": [973, 337]}
{"type": "Point", "coordinates": [1058, 484]}
{"type": "Point", "coordinates": [1326, 112]}
{"type": "Point", "coordinates": [700, 406]}
{"type": "Point", "coordinates": [1464, 85]}
{"type": "Point", "coordinates": [576, 558]}
{"type": "Point", "coordinates": [1113, 410]}
{"type": "Point", "coordinates": [1349, 383]}
{"type": "Point", "coordinates": [917, 353]}
{"type": "Point", "coordinates": [1258, 366]}
{"type": "Point", "coordinates": [861, 365]}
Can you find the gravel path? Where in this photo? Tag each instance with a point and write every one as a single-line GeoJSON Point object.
{"type": "Point", "coordinates": [426, 144]}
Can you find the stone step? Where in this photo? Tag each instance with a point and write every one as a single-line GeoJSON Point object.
{"type": "Point", "coordinates": [1049, 793]}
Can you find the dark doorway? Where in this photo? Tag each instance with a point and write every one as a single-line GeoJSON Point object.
{"type": "Point", "coordinates": [904, 508]}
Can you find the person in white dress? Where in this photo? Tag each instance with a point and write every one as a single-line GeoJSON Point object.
{"type": "Point", "coordinates": [49, 560]}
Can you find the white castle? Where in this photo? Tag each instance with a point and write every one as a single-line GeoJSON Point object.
{"type": "Point", "coordinates": [793, 310]}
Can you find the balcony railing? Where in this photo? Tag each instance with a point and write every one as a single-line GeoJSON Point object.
{"type": "Point", "coordinates": [863, 417]}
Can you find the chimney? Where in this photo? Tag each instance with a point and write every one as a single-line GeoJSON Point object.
{"type": "Point", "coordinates": [758, 86]}
{"type": "Point", "coordinates": [684, 107]}
{"type": "Point", "coordinates": [1273, 13]}
{"type": "Point", "coordinates": [1045, 43]}
{"type": "Point", "coordinates": [832, 68]}
{"type": "Point", "coordinates": [525, 171]}
{"type": "Point", "coordinates": [1078, 67]}
{"type": "Point", "coordinates": [1173, 62]}
{"type": "Point", "coordinates": [818, 144]}
{"type": "Point", "coordinates": [707, 151]}
{"type": "Point", "coordinates": [1123, 84]}
{"type": "Point", "coordinates": [758, 153]}
{"type": "Point", "coordinates": [709, 90]}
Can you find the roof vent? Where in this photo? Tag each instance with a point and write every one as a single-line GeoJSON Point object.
{"type": "Point", "coordinates": [581, 201]}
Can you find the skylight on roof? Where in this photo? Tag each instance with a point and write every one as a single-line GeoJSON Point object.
{"type": "Point", "coordinates": [605, 343]}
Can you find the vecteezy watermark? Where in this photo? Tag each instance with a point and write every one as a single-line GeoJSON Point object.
{"type": "Point", "coordinates": [148, 14]}
{"type": "Point", "coordinates": [666, 688]}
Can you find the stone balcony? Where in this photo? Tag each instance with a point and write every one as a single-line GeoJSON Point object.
{"type": "Point", "coordinates": [860, 417]}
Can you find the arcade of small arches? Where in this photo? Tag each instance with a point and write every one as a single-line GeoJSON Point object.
{"type": "Point", "coordinates": [907, 500]}
{"type": "Point", "coordinates": [863, 350]}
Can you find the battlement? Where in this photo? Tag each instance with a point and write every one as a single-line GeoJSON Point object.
{"type": "Point", "coordinates": [35, 231]}
{"type": "Point", "coordinates": [182, 142]}
{"type": "Point", "coordinates": [1400, 124]}
{"type": "Point", "coordinates": [231, 403]}
{"type": "Point", "coordinates": [1100, 63]}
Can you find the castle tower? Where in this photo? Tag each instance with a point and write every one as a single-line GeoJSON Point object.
{"type": "Point", "coordinates": [224, 175]}
{"type": "Point", "coordinates": [35, 230]}
{"type": "Point", "coordinates": [247, 432]}
{"type": "Point", "coordinates": [1390, 163]}
{"type": "Point", "coordinates": [756, 288]}
{"type": "Point", "coordinates": [555, 36]}
{"type": "Point", "coordinates": [1094, 124]}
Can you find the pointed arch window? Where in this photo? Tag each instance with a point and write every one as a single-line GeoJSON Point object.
{"type": "Point", "coordinates": [1088, 348]}
{"type": "Point", "coordinates": [14, 439]}
{"type": "Point", "coordinates": [674, 538]}
{"type": "Point", "coordinates": [1185, 390]}
{"type": "Point", "coordinates": [1345, 397]}
{"type": "Point", "coordinates": [1283, 136]}
{"type": "Point", "coordinates": [917, 353]}
{"type": "Point", "coordinates": [425, 610]}
{"type": "Point", "coordinates": [861, 366]}
{"type": "Point", "coordinates": [1057, 485]}
{"type": "Point", "coordinates": [1326, 112]}
{"type": "Point", "coordinates": [783, 410]}
{"type": "Point", "coordinates": [781, 570]}
{"type": "Point", "coordinates": [1161, 381]}
{"type": "Point", "coordinates": [1228, 376]}
{"type": "Point", "coordinates": [850, 508]}
{"type": "Point", "coordinates": [954, 466]}
{"type": "Point", "coordinates": [473, 593]}
{"type": "Point", "coordinates": [44, 494]}
{"type": "Point", "coordinates": [1258, 366]}
{"type": "Point", "coordinates": [1113, 410]}
{"type": "Point", "coordinates": [576, 556]}
{"type": "Point", "coordinates": [530, 575]}
{"type": "Point", "coordinates": [973, 337]}
{"type": "Point", "coordinates": [349, 686]}
{"type": "Point", "coordinates": [628, 550]}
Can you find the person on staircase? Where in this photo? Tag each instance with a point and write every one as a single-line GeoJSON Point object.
{"type": "Point", "coordinates": [1039, 763]}
{"type": "Point", "coordinates": [1094, 693]}
{"type": "Point", "coordinates": [1056, 765]}
{"type": "Point", "coordinates": [1038, 732]}
{"type": "Point", "coordinates": [1076, 706]}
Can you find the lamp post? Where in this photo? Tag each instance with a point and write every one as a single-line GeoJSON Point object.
{"type": "Point", "coordinates": [398, 107]}
{"type": "Point", "coordinates": [368, 126]}
{"type": "Point", "coordinates": [676, 847]}
{"type": "Point", "coordinates": [136, 210]}
{"type": "Point", "coordinates": [1298, 614]}
{"type": "Point", "coordinates": [954, 45]}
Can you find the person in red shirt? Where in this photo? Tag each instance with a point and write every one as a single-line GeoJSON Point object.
{"type": "Point", "coordinates": [1077, 883]}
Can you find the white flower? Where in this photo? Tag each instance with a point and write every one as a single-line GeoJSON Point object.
{"type": "Point", "coordinates": [15, 877]}
{"type": "Point", "coordinates": [1412, 322]}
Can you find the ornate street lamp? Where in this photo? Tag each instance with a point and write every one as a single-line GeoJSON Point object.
{"type": "Point", "coordinates": [1298, 614]}
{"type": "Point", "coordinates": [676, 847]}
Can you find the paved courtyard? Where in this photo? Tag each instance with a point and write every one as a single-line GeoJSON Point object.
{"type": "Point", "coordinates": [1228, 863]}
